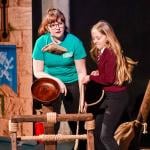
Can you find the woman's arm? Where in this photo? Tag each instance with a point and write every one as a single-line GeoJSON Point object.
{"type": "Point", "coordinates": [81, 70]}
{"type": "Point", "coordinates": [38, 71]}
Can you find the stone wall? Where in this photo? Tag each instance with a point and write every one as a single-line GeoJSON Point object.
{"type": "Point", "coordinates": [19, 25]}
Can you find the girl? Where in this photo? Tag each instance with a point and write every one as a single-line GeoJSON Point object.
{"type": "Point", "coordinates": [113, 73]}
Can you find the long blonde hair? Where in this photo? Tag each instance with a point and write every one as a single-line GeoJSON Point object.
{"type": "Point", "coordinates": [125, 65]}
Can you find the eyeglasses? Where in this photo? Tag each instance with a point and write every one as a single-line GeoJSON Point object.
{"type": "Point", "coordinates": [56, 25]}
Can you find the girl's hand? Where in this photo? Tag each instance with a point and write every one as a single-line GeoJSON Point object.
{"type": "Point", "coordinates": [95, 73]}
{"type": "Point", "coordinates": [86, 79]}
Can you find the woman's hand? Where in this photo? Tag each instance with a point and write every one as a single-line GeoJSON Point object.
{"type": "Point", "coordinates": [95, 73]}
{"type": "Point", "coordinates": [83, 107]}
{"type": "Point", "coordinates": [38, 69]}
{"type": "Point", "coordinates": [62, 87]}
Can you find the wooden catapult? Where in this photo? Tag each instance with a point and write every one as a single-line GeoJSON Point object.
{"type": "Point", "coordinates": [47, 90]}
{"type": "Point", "coordinates": [49, 119]}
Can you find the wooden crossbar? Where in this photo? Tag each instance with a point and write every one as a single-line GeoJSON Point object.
{"type": "Point", "coordinates": [60, 117]}
{"type": "Point", "coordinates": [57, 137]}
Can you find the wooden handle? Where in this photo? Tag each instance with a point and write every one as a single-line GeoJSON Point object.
{"type": "Point", "coordinates": [145, 106]}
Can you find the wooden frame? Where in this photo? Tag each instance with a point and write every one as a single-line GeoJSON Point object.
{"type": "Point", "coordinates": [1, 105]}
{"type": "Point", "coordinates": [87, 117]}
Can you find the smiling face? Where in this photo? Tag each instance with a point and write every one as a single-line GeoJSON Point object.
{"type": "Point", "coordinates": [98, 39]}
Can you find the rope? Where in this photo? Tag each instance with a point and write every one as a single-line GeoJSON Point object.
{"type": "Point", "coordinates": [79, 110]}
{"type": "Point", "coordinates": [90, 125]}
{"type": "Point", "coordinates": [94, 103]}
{"type": "Point", "coordinates": [57, 137]}
{"type": "Point", "coordinates": [51, 117]}
{"type": "Point", "coordinates": [12, 126]}
{"type": "Point", "coordinates": [145, 128]}
{"type": "Point", "coordinates": [137, 121]}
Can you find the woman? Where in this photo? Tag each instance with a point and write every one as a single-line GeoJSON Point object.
{"type": "Point", "coordinates": [113, 73]}
{"type": "Point", "coordinates": [66, 66]}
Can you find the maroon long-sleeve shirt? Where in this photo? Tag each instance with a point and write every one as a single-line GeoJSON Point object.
{"type": "Point", "coordinates": [106, 64]}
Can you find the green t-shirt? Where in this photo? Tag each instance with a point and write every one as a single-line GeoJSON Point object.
{"type": "Point", "coordinates": [60, 66]}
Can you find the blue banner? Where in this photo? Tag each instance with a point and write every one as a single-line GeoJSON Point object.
{"type": "Point", "coordinates": [8, 67]}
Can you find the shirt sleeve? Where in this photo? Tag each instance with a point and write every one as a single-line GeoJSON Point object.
{"type": "Point", "coordinates": [79, 50]}
{"type": "Point", "coordinates": [107, 70]}
{"type": "Point", "coordinates": [37, 50]}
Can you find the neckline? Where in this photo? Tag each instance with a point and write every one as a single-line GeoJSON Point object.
{"type": "Point", "coordinates": [54, 41]}
{"type": "Point", "coordinates": [102, 50]}
{"type": "Point", "coordinates": [100, 53]}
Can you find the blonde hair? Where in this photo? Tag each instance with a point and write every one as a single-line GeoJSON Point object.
{"type": "Point", "coordinates": [125, 65]}
{"type": "Point", "coordinates": [53, 15]}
